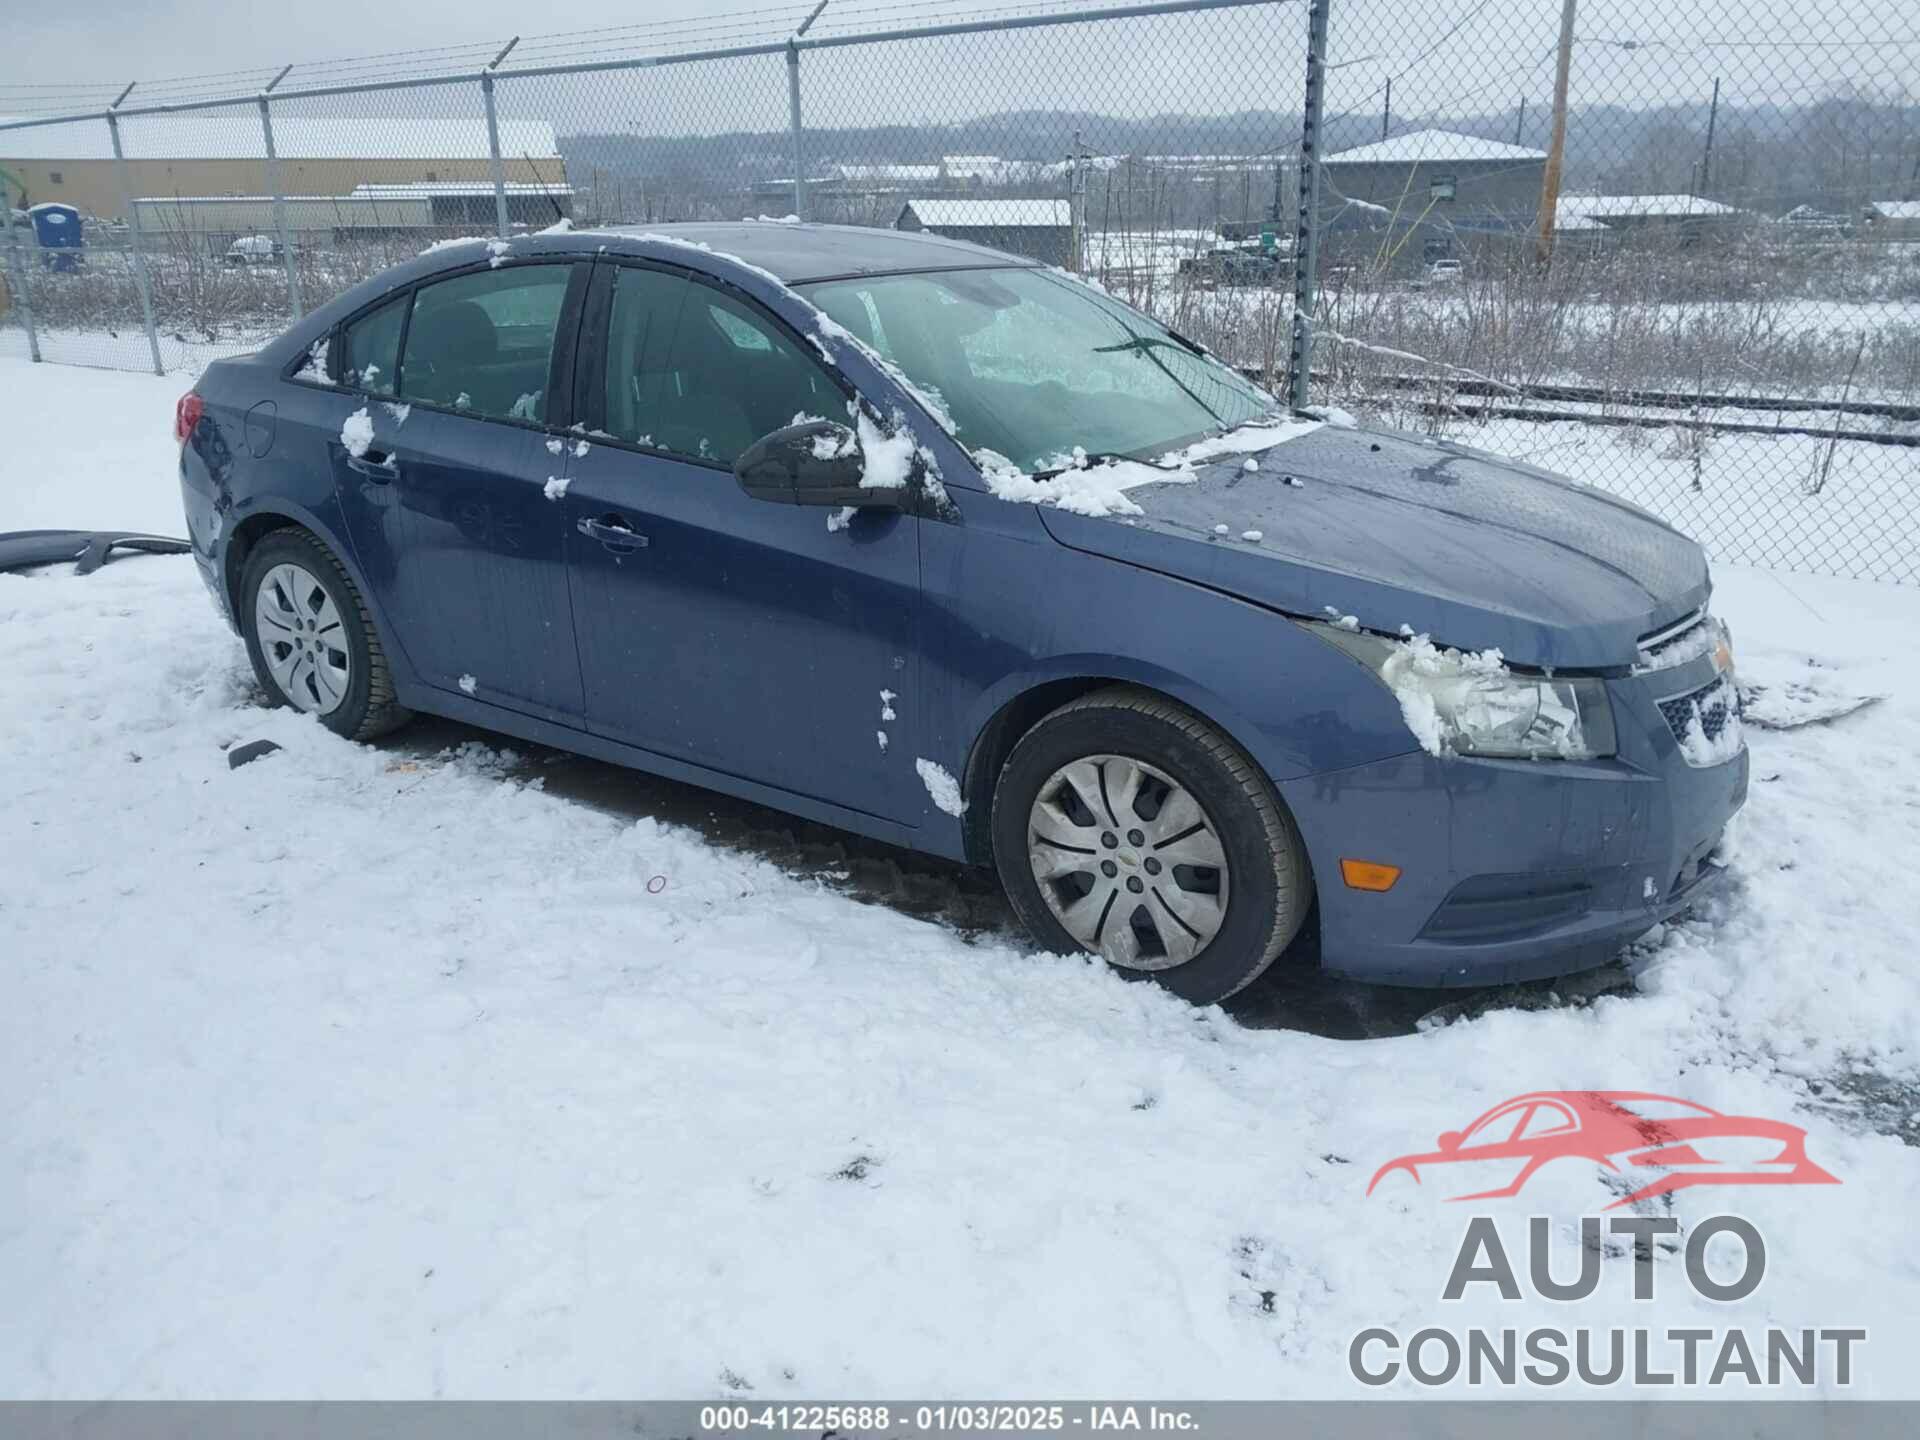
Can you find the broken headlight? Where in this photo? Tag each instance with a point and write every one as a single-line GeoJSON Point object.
{"type": "Point", "coordinates": [1467, 703]}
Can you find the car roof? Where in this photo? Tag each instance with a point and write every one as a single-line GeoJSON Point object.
{"type": "Point", "coordinates": [789, 253]}
{"type": "Point", "coordinates": [798, 253]}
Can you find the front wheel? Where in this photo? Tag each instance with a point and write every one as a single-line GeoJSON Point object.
{"type": "Point", "coordinates": [1127, 826]}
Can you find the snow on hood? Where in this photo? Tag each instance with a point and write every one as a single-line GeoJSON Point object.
{"type": "Point", "coordinates": [1478, 551]}
{"type": "Point", "coordinates": [1095, 488]}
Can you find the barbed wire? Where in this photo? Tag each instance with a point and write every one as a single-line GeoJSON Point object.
{"type": "Point", "coordinates": [768, 24]}
{"type": "Point", "coordinates": [606, 43]}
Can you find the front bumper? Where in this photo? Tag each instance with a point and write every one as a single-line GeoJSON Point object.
{"type": "Point", "coordinates": [1514, 869]}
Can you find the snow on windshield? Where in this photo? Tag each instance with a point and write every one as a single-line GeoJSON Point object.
{"type": "Point", "coordinates": [1027, 365]}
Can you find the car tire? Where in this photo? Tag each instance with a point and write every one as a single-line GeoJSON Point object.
{"type": "Point", "coordinates": [320, 653]}
{"type": "Point", "coordinates": [1202, 931]}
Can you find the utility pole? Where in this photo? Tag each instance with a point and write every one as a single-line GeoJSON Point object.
{"type": "Point", "coordinates": [1386, 110]}
{"type": "Point", "coordinates": [1520, 121]}
{"type": "Point", "coordinates": [1706, 159]}
{"type": "Point", "coordinates": [1557, 143]}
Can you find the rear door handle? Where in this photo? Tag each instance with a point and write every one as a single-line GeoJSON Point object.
{"type": "Point", "coordinates": [613, 532]}
{"type": "Point", "coordinates": [381, 469]}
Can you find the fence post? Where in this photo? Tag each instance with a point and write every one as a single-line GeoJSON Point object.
{"type": "Point", "coordinates": [1073, 208]}
{"type": "Point", "coordinates": [22, 281]}
{"type": "Point", "coordinates": [793, 112]}
{"type": "Point", "coordinates": [500, 224]}
{"type": "Point", "coordinates": [279, 202]}
{"type": "Point", "coordinates": [1306, 240]}
{"type": "Point", "coordinates": [1077, 206]}
{"type": "Point", "coordinates": [793, 123]}
{"type": "Point", "coordinates": [133, 236]}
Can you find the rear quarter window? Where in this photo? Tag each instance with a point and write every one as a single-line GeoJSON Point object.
{"type": "Point", "coordinates": [370, 360]}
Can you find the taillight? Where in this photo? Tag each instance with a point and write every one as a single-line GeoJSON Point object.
{"type": "Point", "coordinates": [186, 415]}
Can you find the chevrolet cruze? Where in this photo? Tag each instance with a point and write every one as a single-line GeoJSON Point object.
{"type": "Point", "coordinates": [945, 547]}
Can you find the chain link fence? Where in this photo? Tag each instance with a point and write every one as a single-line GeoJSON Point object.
{"type": "Point", "coordinates": [1723, 321]}
{"type": "Point", "coordinates": [1670, 250]}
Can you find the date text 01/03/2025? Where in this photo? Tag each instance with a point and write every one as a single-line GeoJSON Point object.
{"type": "Point", "coordinates": [934, 1419]}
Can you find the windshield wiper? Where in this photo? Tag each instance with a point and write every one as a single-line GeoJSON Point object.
{"type": "Point", "coordinates": [1093, 458]}
{"type": "Point", "coordinates": [1270, 417]}
{"type": "Point", "coordinates": [1146, 345]}
{"type": "Point", "coordinates": [1139, 343]}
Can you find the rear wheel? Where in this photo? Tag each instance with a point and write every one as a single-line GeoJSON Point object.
{"type": "Point", "coordinates": [311, 640]}
{"type": "Point", "coordinates": [1127, 826]}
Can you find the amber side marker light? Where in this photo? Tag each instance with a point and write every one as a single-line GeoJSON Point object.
{"type": "Point", "coordinates": [1368, 874]}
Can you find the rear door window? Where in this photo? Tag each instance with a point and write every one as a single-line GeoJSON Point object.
{"type": "Point", "coordinates": [483, 342]}
{"type": "Point", "coordinates": [696, 372]}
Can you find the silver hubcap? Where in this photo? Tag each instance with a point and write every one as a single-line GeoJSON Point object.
{"type": "Point", "coordinates": [1128, 862]}
{"type": "Point", "coordinates": [302, 639]}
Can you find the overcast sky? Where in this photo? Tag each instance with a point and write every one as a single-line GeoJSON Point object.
{"type": "Point", "coordinates": [1446, 55]}
{"type": "Point", "coordinates": [107, 39]}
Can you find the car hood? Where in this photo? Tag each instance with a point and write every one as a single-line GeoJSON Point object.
{"type": "Point", "coordinates": [1478, 551]}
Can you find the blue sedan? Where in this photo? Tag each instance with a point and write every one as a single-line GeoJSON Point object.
{"type": "Point", "coordinates": [950, 549]}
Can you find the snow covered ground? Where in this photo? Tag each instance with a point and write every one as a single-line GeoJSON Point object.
{"type": "Point", "coordinates": [123, 349]}
{"type": "Point", "coordinates": [382, 1071]}
{"type": "Point", "coordinates": [1799, 502]}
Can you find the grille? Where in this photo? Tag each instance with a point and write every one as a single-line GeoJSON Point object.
{"type": "Point", "coordinates": [1718, 704]}
{"type": "Point", "coordinates": [1655, 641]}
{"type": "Point", "coordinates": [1677, 644]}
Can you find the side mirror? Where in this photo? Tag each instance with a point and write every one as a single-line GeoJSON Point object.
{"type": "Point", "coordinates": [817, 462]}
{"type": "Point", "coordinates": [1449, 1142]}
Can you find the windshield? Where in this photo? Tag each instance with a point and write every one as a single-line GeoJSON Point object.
{"type": "Point", "coordinates": [1031, 365]}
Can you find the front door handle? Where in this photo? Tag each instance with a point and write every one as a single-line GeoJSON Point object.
{"type": "Point", "coordinates": [614, 532]}
{"type": "Point", "coordinates": [381, 469]}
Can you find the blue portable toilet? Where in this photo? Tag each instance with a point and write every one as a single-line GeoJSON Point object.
{"type": "Point", "coordinates": [57, 230]}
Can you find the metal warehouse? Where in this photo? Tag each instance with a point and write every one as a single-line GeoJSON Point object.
{"type": "Point", "coordinates": [1436, 176]}
{"type": "Point", "coordinates": [1039, 229]}
{"type": "Point", "coordinates": [441, 205]}
{"type": "Point", "coordinates": [206, 156]}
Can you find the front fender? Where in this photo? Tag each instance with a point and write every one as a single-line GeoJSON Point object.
{"type": "Point", "coordinates": [1107, 667]}
{"type": "Point", "coordinates": [1008, 608]}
